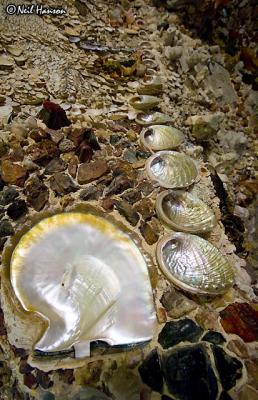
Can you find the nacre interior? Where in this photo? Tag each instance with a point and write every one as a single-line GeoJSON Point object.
{"type": "Point", "coordinates": [87, 279]}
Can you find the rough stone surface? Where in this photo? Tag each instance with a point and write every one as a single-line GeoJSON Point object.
{"type": "Point", "coordinates": [8, 195]}
{"type": "Point", "coordinates": [214, 337]}
{"type": "Point", "coordinates": [229, 368]}
{"type": "Point", "coordinates": [176, 304]}
{"type": "Point", "coordinates": [175, 332]}
{"type": "Point", "coordinates": [91, 193]}
{"type": "Point", "coordinates": [150, 371]}
{"type": "Point", "coordinates": [13, 173]}
{"type": "Point", "coordinates": [6, 228]}
{"type": "Point", "coordinates": [62, 183]}
{"type": "Point", "coordinates": [17, 209]}
{"type": "Point", "coordinates": [36, 192]}
{"type": "Point", "coordinates": [55, 165]}
{"type": "Point", "coordinates": [119, 184]}
{"type": "Point", "coordinates": [88, 172]}
{"type": "Point", "coordinates": [128, 212]}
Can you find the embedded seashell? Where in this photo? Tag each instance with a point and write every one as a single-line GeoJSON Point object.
{"type": "Point", "coordinates": [87, 279]}
{"type": "Point", "coordinates": [171, 169]}
{"type": "Point", "coordinates": [161, 137]}
{"type": "Point", "coordinates": [150, 63]}
{"type": "Point", "coordinates": [182, 211]}
{"type": "Point", "coordinates": [155, 118]}
{"type": "Point", "coordinates": [151, 86]}
{"type": "Point", "coordinates": [194, 264]}
{"type": "Point", "coordinates": [144, 102]}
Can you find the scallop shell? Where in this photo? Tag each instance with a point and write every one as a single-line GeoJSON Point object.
{"type": "Point", "coordinates": [144, 102]}
{"type": "Point", "coordinates": [155, 118]}
{"type": "Point", "coordinates": [182, 211]}
{"type": "Point", "coordinates": [87, 279]}
{"type": "Point", "coordinates": [193, 264]}
{"type": "Point", "coordinates": [153, 85]}
{"type": "Point", "coordinates": [171, 169]}
{"type": "Point", "coordinates": [161, 137]}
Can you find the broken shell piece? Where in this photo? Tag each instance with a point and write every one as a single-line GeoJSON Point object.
{"type": "Point", "coordinates": [14, 50]}
{"type": "Point", "coordinates": [144, 102]}
{"type": "Point", "coordinates": [161, 137]}
{"type": "Point", "coordinates": [182, 211]}
{"type": "Point", "coordinates": [87, 279]}
{"type": "Point", "coordinates": [155, 118]}
{"type": "Point", "coordinates": [171, 169]}
{"type": "Point", "coordinates": [151, 86]}
{"type": "Point", "coordinates": [6, 62]}
{"type": "Point", "coordinates": [193, 264]}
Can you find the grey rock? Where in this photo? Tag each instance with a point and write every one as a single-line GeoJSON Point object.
{"type": "Point", "coordinates": [8, 195]}
{"type": "Point", "coordinates": [6, 228]}
{"type": "Point", "coordinates": [62, 183]}
{"type": "Point", "coordinates": [55, 165]}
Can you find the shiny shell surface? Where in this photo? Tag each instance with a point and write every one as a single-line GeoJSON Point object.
{"type": "Point", "coordinates": [144, 102]}
{"type": "Point", "coordinates": [87, 279]}
{"type": "Point", "coordinates": [194, 264]}
{"type": "Point", "coordinates": [152, 86]}
{"type": "Point", "coordinates": [171, 169]}
{"type": "Point", "coordinates": [161, 137]}
{"type": "Point", "coordinates": [155, 118]}
{"type": "Point", "coordinates": [182, 211]}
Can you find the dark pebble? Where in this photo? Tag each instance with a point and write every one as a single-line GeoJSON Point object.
{"type": "Point", "coordinates": [214, 337]}
{"type": "Point", "coordinates": [62, 184]}
{"type": "Point", "coordinates": [36, 192]}
{"type": "Point", "coordinates": [127, 211]}
{"type": "Point", "coordinates": [119, 184]}
{"type": "Point", "coordinates": [2, 326]}
{"type": "Point", "coordinates": [48, 396]}
{"type": "Point", "coordinates": [43, 379]}
{"type": "Point", "coordinates": [150, 371]}
{"type": "Point", "coordinates": [6, 228]}
{"type": "Point", "coordinates": [2, 184]}
{"type": "Point", "coordinates": [229, 368]}
{"type": "Point", "coordinates": [132, 196]}
{"type": "Point", "coordinates": [24, 367]}
{"type": "Point", "coordinates": [225, 396]}
{"type": "Point", "coordinates": [175, 332]}
{"type": "Point", "coordinates": [165, 397]}
{"type": "Point", "coordinates": [30, 381]}
{"type": "Point", "coordinates": [17, 209]}
{"type": "Point", "coordinates": [114, 139]}
{"type": "Point", "coordinates": [8, 195]}
{"type": "Point", "coordinates": [55, 165]}
{"type": "Point", "coordinates": [91, 193]}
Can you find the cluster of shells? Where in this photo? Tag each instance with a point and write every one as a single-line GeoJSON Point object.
{"type": "Point", "coordinates": [189, 261]}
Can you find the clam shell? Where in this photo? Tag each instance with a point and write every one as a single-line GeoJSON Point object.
{"type": "Point", "coordinates": [182, 211]}
{"type": "Point", "coordinates": [161, 137]}
{"type": "Point", "coordinates": [155, 118]}
{"type": "Point", "coordinates": [171, 169]}
{"type": "Point", "coordinates": [151, 86]}
{"type": "Point", "coordinates": [193, 264]}
{"type": "Point", "coordinates": [87, 279]}
{"type": "Point", "coordinates": [144, 102]}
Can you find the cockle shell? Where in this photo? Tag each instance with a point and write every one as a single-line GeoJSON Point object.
{"type": "Point", "coordinates": [161, 137]}
{"type": "Point", "coordinates": [87, 279]}
{"type": "Point", "coordinates": [153, 85]}
{"type": "Point", "coordinates": [182, 211]}
{"type": "Point", "coordinates": [155, 118]}
{"type": "Point", "coordinates": [144, 102]}
{"type": "Point", "coordinates": [171, 169]}
{"type": "Point", "coordinates": [194, 264]}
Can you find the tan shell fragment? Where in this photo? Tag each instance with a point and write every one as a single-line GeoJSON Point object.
{"type": "Point", "coordinates": [155, 118]}
{"type": "Point", "coordinates": [152, 86]}
{"type": "Point", "coordinates": [182, 211]}
{"type": "Point", "coordinates": [161, 137]}
{"type": "Point", "coordinates": [194, 264]}
{"type": "Point", "coordinates": [144, 102]}
{"type": "Point", "coordinates": [171, 169]}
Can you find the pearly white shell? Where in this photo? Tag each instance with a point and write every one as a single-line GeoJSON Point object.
{"type": "Point", "coordinates": [161, 137]}
{"type": "Point", "coordinates": [171, 169]}
{"type": "Point", "coordinates": [194, 264]}
{"type": "Point", "coordinates": [87, 279]}
{"type": "Point", "coordinates": [182, 211]}
{"type": "Point", "coordinates": [144, 102]}
{"type": "Point", "coordinates": [153, 118]}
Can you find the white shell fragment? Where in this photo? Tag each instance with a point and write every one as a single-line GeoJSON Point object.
{"type": "Point", "coordinates": [161, 137]}
{"type": "Point", "coordinates": [182, 211]}
{"type": "Point", "coordinates": [87, 279]}
{"type": "Point", "coordinates": [144, 102]}
{"type": "Point", "coordinates": [155, 118]}
{"type": "Point", "coordinates": [194, 264]}
{"type": "Point", "coordinates": [171, 169]}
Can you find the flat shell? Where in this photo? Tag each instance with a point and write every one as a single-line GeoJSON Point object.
{"type": "Point", "coordinates": [87, 279]}
{"type": "Point", "coordinates": [194, 264]}
{"type": "Point", "coordinates": [182, 211]}
{"type": "Point", "coordinates": [155, 118]}
{"type": "Point", "coordinates": [161, 137]}
{"type": "Point", "coordinates": [144, 102]}
{"type": "Point", "coordinates": [171, 169]}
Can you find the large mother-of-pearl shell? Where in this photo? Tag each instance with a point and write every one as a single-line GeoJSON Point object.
{"type": "Point", "coordinates": [161, 137]}
{"type": "Point", "coordinates": [171, 169]}
{"type": "Point", "coordinates": [194, 264]}
{"type": "Point", "coordinates": [87, 279]}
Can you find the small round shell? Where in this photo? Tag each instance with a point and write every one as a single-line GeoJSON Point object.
{"type": "Point", "coordinates": [182, 211]}
{"type": "Point", "coordinates": [144, 102]}
{"type": "Point", "coordinates": [161, 137]}
{"type": "Point", "coordinates": [171, 169]}
{"type": "Point", "coordinates": [193, 264]}
{"type": "Point", "coordinates": [155, 118]}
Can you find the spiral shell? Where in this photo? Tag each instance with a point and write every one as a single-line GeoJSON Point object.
{"type": "Point", "coordinates": [182, 211]}
{"type": "Point", "coordinates": [87, 279]}
{"type": "Point", "coordinates": [161, 137]}
{"type": "Point", "coordinates": [155, 118]}
{"type": "Point", "coordinates": [193, 264]}
{"type": "Point", "coordinates": [144, 102]}
{"type": "Point", "coordinates": [171, 169]}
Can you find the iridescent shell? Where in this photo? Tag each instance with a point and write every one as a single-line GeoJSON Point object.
{"type": "Point", "coordinates": [153, 85]}
{"type": "Point", "coordinates": [155, 118]}
{"type": "Point", "coordinates": [194, 264]}
{"type": "Point", "coordinates": [182, 211]}
{"type": "Point", "coordinates": [87, 279]}
{"type": "Point", "coordinates": [161, 137]}
{"type": "Point", "coordinates": [144, 102]}
{"type": "Point", "coordinates": [171, 169]}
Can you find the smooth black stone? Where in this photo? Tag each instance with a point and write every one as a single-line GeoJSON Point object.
{"type": "Point", "coordinates": [165, 397]}
{"type": "Point", "coordinates": [229, 368]}
{"type": "Point", "coordinates": [214, 337]}
{"type": "Point", "coordinates": [17, 209]}
{"type": "Point", "coordinates": [150, 371]}
{"type": "Point", "coordinates": [2, 183]}
{"type": "Point", "coordinates": [225, 396]}
{"type": "Point", "coordinates": [48, 396]}
{"type": "Point", "coordinates": [175, 332]}
{"type": "Point", "coordinates": [189, 375]}
{"type": "Point", "coordinates": [6, 228]}
{"type": "Point", "coordinates": [8, 195]}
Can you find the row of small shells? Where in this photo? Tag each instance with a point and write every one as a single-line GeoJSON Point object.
{"type": "Point", "coordinates": [187, 260]}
